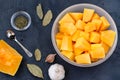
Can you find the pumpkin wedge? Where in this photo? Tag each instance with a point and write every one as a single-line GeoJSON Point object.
{"type": "Point", "coordinates": [10, 59]}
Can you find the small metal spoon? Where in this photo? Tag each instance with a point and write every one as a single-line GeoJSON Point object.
{"type": "Point", "coordinates": [11, 35]}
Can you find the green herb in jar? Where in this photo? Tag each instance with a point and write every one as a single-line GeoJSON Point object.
{"type": "Point", "coordinates": [21, 22]}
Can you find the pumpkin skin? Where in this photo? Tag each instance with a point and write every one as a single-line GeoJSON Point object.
{"type": "Point", "coordinates": [10, 59]}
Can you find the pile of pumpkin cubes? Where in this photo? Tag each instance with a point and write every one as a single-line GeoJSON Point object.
{"type": "Point", "coordinates": [84, 37]}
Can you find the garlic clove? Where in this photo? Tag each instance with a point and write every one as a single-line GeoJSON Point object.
{"type": "Point", "coordinates": [50, 58]}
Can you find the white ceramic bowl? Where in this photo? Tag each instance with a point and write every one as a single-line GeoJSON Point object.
{"type": "Point", "coordinates": [79, 8]}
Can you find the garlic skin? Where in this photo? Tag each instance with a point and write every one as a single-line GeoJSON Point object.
{"type": "Point", "coordinates": [56, 72]}
{"type": "Point", "coordinates": [50, 58]}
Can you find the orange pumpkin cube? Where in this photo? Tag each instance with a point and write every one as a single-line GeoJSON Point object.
{"type": "Point", "coordinates": [68, 28]}
{"type": "Point", "coordinates": [97, 51]}
{"type": "Point", "coordinates": [10, 59]}
{"type": "Point", "coordinates": [67, 43]}
{"type": "Point", "coordinates": [76, 35]}
{"type": "Point", "coordinates": [67, 19]}
{"type": "Point", "coordinates": [105, 24]}
{"type": "Point", "coordinates": [80, 24]}
{"type": "Point", "coordinates": [94, 37]}
{"type": "Point", "coordinates": [82, 44]}
{"type": "Point", "coordinates": [59, 42]}
{"type": "Point", "coordinates": [88, 14]}
{"type": "Point", "coordinates": [108, 37]}
{"type": "Point", "coordinates": [83, 59]}
{"type": "Point", "coordinates": [89, 27]}
{"type": "Point", "coordinates": [68, 54]}
{"type": "Point", "coordinates": [94, 46]}
{"type": "Point", "coordinates": [102, 44]}
{"type": "Point", "coordinates": [94, 59]}
{"type": "Point", "coordinates": [95, 16]}
{"type": "Point", "coordinates": [77, 51]}
{"type": "Point", "coordinates": [85, 35]}
{"type": "Point", "coordinates": [59, 35]}
{"type": "Point", "coordinates": [105, 46]}
{"type": "Point", "coordinates": [98, 23]}
{"type": "Point", "coordinates": [76, 16]}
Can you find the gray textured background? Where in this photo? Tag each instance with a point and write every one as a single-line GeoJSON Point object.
{"type": "Point", "coordinates": [40, 37]}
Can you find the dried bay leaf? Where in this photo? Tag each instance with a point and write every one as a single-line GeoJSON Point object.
{"type": "Point", "coordinates": [35, 70]}
{"type": "Point", "coordinates": [37, 55]}
{"type": "Point", "coordinates": [39, 11]}
{"type": "Point", "coordinates": [47, 18]}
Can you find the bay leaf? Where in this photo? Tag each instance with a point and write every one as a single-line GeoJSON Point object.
{"type": "Point", "coordinates": [37, 55]}
{"type": "Point", "coordinates": [35, 70]}
{"type": "Point", "coordinates": [39, 11]}
{"type": "Point", "coordinates": [47, 18]}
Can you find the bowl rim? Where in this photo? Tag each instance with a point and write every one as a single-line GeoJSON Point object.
{"type": "Point", "coordinates": [74, 63]}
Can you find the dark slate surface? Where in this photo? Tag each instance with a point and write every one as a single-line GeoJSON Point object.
{"type": "Point", "coordinates": [40, 37]}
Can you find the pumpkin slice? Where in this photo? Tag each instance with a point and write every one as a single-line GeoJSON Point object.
{"type": "Point", "coordinates": [76, 16]}
{"type": "Point", "coordinates": [68, 54]}
{"type": "Point", "coordinates": [59, 42]}
{"type": "Point", "coordinates": [82, 44]}
{"type": "Point", "coordinates": [94, 59]}
{"type": "Point", "coordinates": [67, 43]}
{"type": "Point", "coordinates": [85, 35]}
{"type": "Point", "coordinates": [59, 35]}
{"type": "Point", "coordinates": [94, 37]}
{"type": "Point", "coordinates": [97, 51]}
{"type": "Point", "coordinates": [80, 24]}
{"type": "Point", "coordinates": [105, 46]}
{"type": "Point", "coordinates": [67, 18]}
{"type": "Point", "coordinates": [105, 24]}
{"type": "Point", "coordinates": [83, 59]}
{"type": "Point", "coordinates": [68, 28]}
{"type": "Point", "coordinates": [98, 23]}
{"type": "Point", "coordinates": [89, 27]}
{"type": "Point", "coordinates": [95, 16]}
{"type": "Point", "coordinates": [77, 51]}
{"type": "Point", "coordinates": [76, 35]}
{"type": "Point", "coordinates": [88, 14]}
{"type": "Point", "coordinates": [108, 37]}
{"type": "Point", "coordinates": [10, 59]}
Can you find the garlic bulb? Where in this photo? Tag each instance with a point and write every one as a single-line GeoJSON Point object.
{"type": "Point", "coordinates": [56, 72]}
